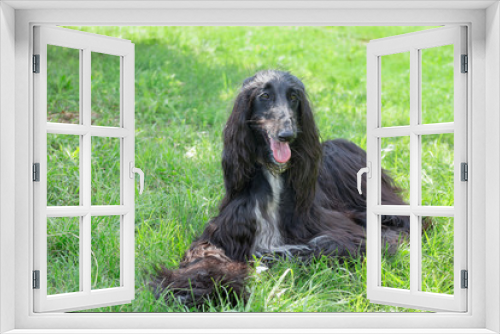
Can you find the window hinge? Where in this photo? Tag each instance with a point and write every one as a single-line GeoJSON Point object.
{"type": "Point", "coordinates": [464, 167]}
{"type": "Point", "coordinates": [36, 279]}
{"type": "Point", "coordinates": [36, 172]}
{"type": "Point", "coordinates": [465, 64]}
{"type": "Point", "coordinates": [465, 279]}
{"type": "Point", "coordinates": [36, 63]}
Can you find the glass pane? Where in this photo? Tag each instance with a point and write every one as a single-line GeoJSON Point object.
{"type": "Point", "coordinates": [63, 250]}
{"type": "Point", "coordinates": [395, 260]}
{"type": "Point", "coordinates": [105, 252]}
{"type": "Point", "coordinates": [437, 84]}
{"type": "Point", "coordinates": [105, 89]}
{"type": "Point", "coordinates": [395, 160]}
{"type": "Point", "coordinates": [438, 255]}
{"type": "Point", "coordinates": [63, 170]}
{"type": "Point", "coordinates": [63, 85]}
{"type": "Point", "coordinates": [105, 171]}
{"type": "Point", "coordinates": [395, 92]}
{"type": "Point", "coordinates": [438, 170]}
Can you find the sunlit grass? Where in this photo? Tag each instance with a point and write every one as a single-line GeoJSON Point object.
{"type": "Point", "coordinates": [186, 80]}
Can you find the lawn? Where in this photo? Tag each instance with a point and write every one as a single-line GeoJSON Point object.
{"type": "Point", "coordinates": [186, 80]}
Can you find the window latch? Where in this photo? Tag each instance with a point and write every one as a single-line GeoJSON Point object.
{"type": "Point", "coordinates": [368, 171]}
{"type": "Point", "coordinates": [132, 171]}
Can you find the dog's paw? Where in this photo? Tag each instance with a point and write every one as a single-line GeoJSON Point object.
{"type": "Point", "coordinates": [261, 268]}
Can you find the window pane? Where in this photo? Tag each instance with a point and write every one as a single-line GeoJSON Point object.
{"type": "Point", "coordinates": [395, 92]}
{"type": "Point", "coordinates": [63, 250]}
{"type": "Point", "coordinates": [63, 170]}
{"type": "Point", "coordinates": [437, 84]}
{"type": "Point", "coordinates": [395, 160]}
{"type": "Point", "coordinates": [105, 89]}
{"type": "Point", "coordinates": [105, 171]}
{"type": "Point", "coordinates": [395, 260]}
{"type": "Point", "coordinates": [63, 85]}
{"type": "Point", "coordinates": [438, 170]}
{"type": "Point", "coordinates": [105, 252]}
{"type": "Point", "coordinates": [438, 255]}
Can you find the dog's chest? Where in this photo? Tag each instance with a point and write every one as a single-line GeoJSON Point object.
{"type": "Point", "coordinates": [268, 235]}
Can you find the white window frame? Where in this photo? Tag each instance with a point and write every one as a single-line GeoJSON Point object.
{"type": "Point", "coordinates": [413, 44]}
{"type": "Point", "coordinates": [16, 21]}
{"type": "Point", "coordinates": [85, 297]}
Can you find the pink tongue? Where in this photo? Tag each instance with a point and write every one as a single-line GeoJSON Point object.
{"type": "Point", "coordinates": [281, 151]}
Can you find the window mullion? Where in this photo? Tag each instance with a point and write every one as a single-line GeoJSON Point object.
{"type": "Point", "coordinates": [415, 175]}
{"type": "Point", "coordinates": [373, 157]}
{"type": "Point", "coordinates": [128, 185]}
{"type": "Point", "coordinates": [86, 177]}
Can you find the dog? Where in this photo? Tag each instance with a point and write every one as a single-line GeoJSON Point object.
{"type": "Point", "coordinates": [286, 195]}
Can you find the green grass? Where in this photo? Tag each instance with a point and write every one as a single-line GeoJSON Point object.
{"type": "Point", "coordinates": [186, 80]}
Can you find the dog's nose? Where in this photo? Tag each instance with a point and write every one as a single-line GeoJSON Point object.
{"type": "Point", "coordinates": [286, 136]}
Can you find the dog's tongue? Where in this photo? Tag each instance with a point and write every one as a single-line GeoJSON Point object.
{"type": "Point", "coordinates": [281, 151]}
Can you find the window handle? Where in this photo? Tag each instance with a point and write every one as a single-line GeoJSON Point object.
{"type": "Point", "coordinates": [368, 172]}
{"type": "Point", "coordinates": [133, 170]}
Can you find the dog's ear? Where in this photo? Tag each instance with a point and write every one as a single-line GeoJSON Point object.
{"type": "Point", "coordinates": [306, 157]}
{"type": "Point", "coordinates": [247, 81]}
{"type": "Point", "coordinates": [238, 155]}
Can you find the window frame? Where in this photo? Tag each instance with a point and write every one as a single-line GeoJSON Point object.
{"type": "Point", "coordinates": [414, 44]}
{"type": "Point", "coordinates": [483, 49]}
{"type": "Point", "coordinates": [86, 297]}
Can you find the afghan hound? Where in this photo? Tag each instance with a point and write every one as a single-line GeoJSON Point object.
{"type": "Point", "coordinates": [286, 194]}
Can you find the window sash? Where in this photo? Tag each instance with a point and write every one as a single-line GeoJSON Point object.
{"type": "Point", "coordinates": [413, 43]}
{"type": "Point", "coordinates": [86, 298]}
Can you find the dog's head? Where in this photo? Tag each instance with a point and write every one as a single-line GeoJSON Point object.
{"type": "Point", "coordinates": [273, 115]}
{"type": "Point", "coordinates": [272, 125]}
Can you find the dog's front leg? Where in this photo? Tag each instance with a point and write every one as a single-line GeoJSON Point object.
{"type": "Point", "coordinates": [216, 259]}
{"type": "Point", "coordinates": [233, 230]}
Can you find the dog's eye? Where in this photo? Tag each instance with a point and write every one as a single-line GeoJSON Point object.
{"type": "Point", "coordinates": [264, 96]}
{"type": "Point", "coordinates": [294, 97]}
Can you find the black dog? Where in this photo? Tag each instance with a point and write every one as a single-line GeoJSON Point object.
{"type": "Point", "coordinates": [286, 193]}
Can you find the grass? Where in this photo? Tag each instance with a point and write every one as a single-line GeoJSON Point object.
{"type": "Point", "coordinates": [186, 79]}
